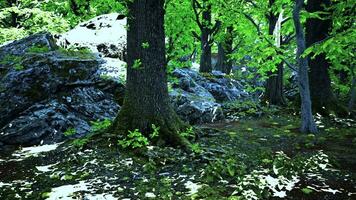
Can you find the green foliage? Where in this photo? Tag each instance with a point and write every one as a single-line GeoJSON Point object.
{"type": "Point", "coordinates": [25, 17]}
{"type": "Point", "coordinates": [155, 132]}
{"type": "Point", "coordinates": [69, 132]}
{"type": "Point", "coordinates": [38, 49]}
{"type": "Point", "coordinates": [14, 61]}
{"type": "Point", "coordinates": [81, 142]}
{"type": "Point", "coordinates": [196, 148]}
{"type": "Point", "coordinates": [188, 133]}
{"type": "Point", "coordinates": [306, 190]}
{"type": "Point", "coordinates": [137, 64]}
{"type": "Point", "coordinates": [134, 140]}
{"type": "Point", "coordinates": [83, 53]}
{"type": "Point", "coordinates": [145, 45]}
{"type": "Point", "coordinates": [100, 125]}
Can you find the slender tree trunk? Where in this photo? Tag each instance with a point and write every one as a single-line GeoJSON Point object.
{"type": "Point", "coordinates": [221, 57]}
{"type": "Point", "coordinates": [352, 91]}
{"type": "Point", "coordinates": [225, 49]}
{"type": "Point", "coordinates": [146, 99]}
{"type": "Point", "coordinates": [274, 84]}
{"type": "Point", "coordinates": [205, 59]}
{"type": "Point", "coordinates": [320, 84]}
{"type": "Point", "coordinates": [308, 124]}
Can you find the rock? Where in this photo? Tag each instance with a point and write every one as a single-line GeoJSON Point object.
{"type": "Point", "coordinates": [20, 47]}
{"type": "Point", "coordinates": [221, 88]}
{"type": "Point", "coordinates": [195, 109]}
{"type": "Point", "coordinates": [105, 34]}
{"type": "Point", "coordinates": [44, 94]}
{"type": "Point", "coordinates": [191, 101]}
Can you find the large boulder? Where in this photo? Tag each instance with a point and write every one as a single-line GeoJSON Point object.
{"type": "Point", "coordinates": [45, 90]}
{"type": "Point", "coordinates": [105, 34]}
{"type": "Point", "coordinates": [221, 88]}
{"type": "Point", "coordinates": [192, 102]}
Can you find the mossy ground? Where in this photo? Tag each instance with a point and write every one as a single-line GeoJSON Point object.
{"type": "Point", "coordinates": [229, 153]}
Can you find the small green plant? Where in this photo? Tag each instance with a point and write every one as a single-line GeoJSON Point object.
{"type": "Point", "coordinates": [137, 64]}
{"type": "Point", "coordinates": [19, 67]}
{"type": "Point", "coordinates": [100, 125]}
{"type": "Point", "coordinates": [196, 148]}
{"type": "Point", "coordinates": [145, 45]}
{"type": "Point", "coordinates": [155, 132]}
{"type": "Point", "coordinates": [79, 143]}
{"type": "Point", "coordinates": [307, 190]}
{"type": "Point", "coordinates": [69, 132]}
{"type": "Point", "coordinates": [189, 132]}
{"type": "Point", "coordinates": [38, 49]}
{"type": "Point", "coordinates": [134, 139]}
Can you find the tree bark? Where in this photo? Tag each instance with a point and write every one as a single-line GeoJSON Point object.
{"type": "Point", "coordinates": [274, 84]}
{"type": "Point", "coordinates": [146, 100]}
{"type": "Point", "coordinates": [352, 91]}
{"type": "Point", "coordinates": [317, 30]}
{"type": "Point", "coordinates": [308, 124]}
{"type": "Point", "coordinates": [274, 87]}
{"type": "Point", "coordinates": [225, 49]}
{"type": "Point", "coordinates": [205, 58]}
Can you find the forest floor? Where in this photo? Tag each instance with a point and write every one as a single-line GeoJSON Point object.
{"type": "Point", "coordinates": [259, 158]}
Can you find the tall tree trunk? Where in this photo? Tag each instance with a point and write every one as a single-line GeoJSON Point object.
{"type": "Point", "coordinates": [308, 124]}
{"type": "Point", "coordinates": [146, 99]}
{"type": "Point", "coordinates": [274, 84]}
{"type": "Point", "coordinates": [221, 57]}
{"type": "Point", "coordinates": [274, 87]}
{"type": "Point", "coordinates": [205, 59]}
{"type": "Point", "coordinates": [225, 49]}
{"type": "Point", "coordinates": [321, 92]}
{"type": "Point", "coordinates": [352, 91]}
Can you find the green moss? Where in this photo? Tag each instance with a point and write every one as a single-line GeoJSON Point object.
{"type": "Point", "coordinates": [69, 132]}
{"type": "Point", "coordinates": [83, 53]}
{"type": "Point", "coordinates": [14, 61]}
{"type": "Point", "coordinates": [38, 49]}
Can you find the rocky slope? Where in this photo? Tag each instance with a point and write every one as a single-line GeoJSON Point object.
{"type": "Point", "coordinates": [47, 90]}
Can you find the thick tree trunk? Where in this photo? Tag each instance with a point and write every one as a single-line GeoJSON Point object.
{"type": "Point", "coordinates": [274, 84]}
{"type": "Point", "coordinates": [205, 59]}
{"type": "Point", "coordinates": [317, 30]}
{"type": "Point", "coordinates": [146, 99]}
{"type": "Point", "coordinates": [308, 124]}
{"type": "Point", "coordinates": [274, 87]}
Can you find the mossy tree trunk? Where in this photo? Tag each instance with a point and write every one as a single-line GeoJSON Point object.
{"type": "Point", "coordinates": [146, 99]}
{"type": "Point", "coordinates": [308, 124]}
{"type": "Point", "coordinates": [317, 30]}
{"type": "Point", "coordinates": [225, 49]}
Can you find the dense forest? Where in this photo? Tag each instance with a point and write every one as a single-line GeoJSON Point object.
{"type": "Point", "coordinates": [177, 99]}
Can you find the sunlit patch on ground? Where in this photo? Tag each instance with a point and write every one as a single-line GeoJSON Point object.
{"type": "Point", "coordinates": [269, 160]}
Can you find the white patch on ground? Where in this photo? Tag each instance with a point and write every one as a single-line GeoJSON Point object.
{"type": "Point", "coordinates": [65, 191]}
{"type": "Point", "coordinates": [100, 197]}
{"type": "Point", "coordinates": [127, 162]}
{"type": "Point", "coordinates": [45, 168]}
{"type": "Point", "coordinates": [150, 195]}
{"type": "Point", "coordinates": [35, 150]}
{"type": "Point", "coordinates": [192, 187]}
{"type": "Point", "coordinates": [4, 184]}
